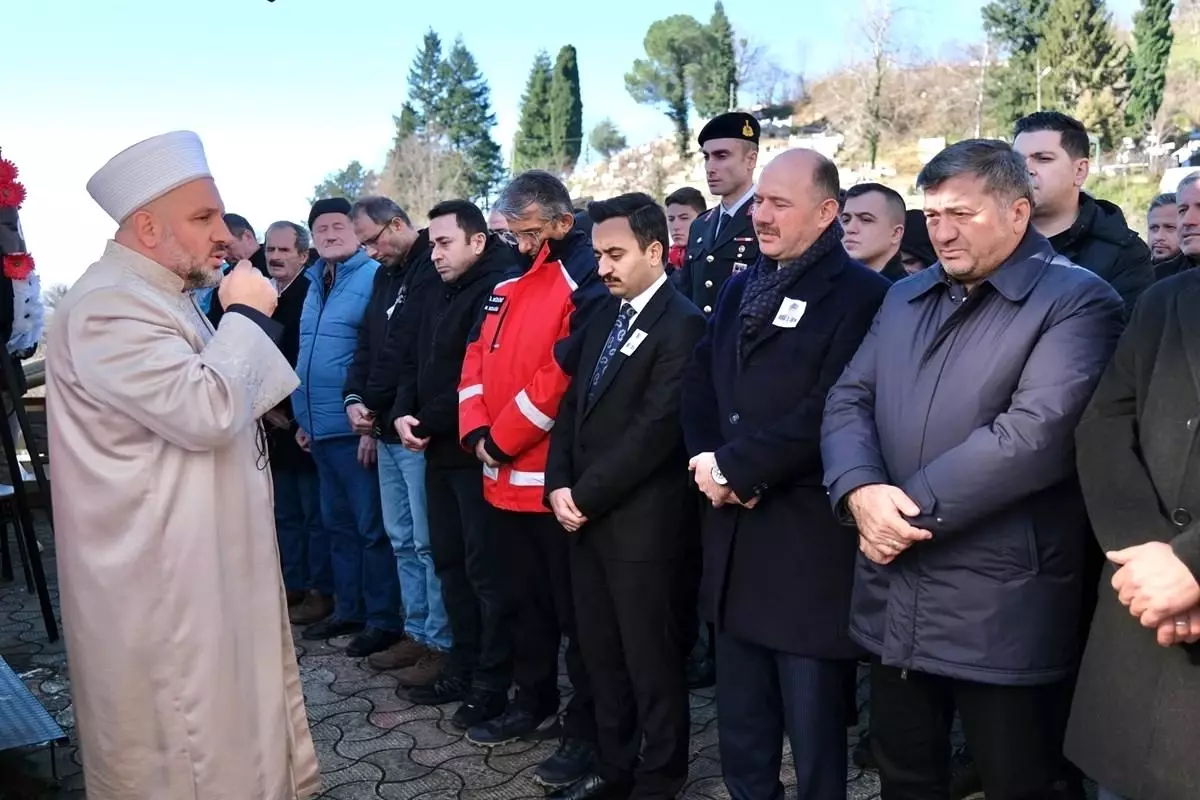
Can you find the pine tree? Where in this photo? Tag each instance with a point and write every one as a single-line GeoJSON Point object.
{"type": "Point", "coordinates": [675, 46]}
{"type": "Point", "coordinates": [715, 78]}
{"type": "Point", "coordinates": [1152, 38]}
{"type": "Point", "coordinates": [606, 138]}
{"type": "Point", "coordinates": [351, 182]}
{"type": "Point", "coordinates": [532, 145]}
{"type": "Point", "coordinates": [566, 111]}
{"type": "Point", "coordinates": [1015, 27]}
{"type": "Point", "coordinates": [426, 85]}
{"type": "Point", "coordinates": [466, 121]}
{"type": "Point", "coordinates": [1080, 49]}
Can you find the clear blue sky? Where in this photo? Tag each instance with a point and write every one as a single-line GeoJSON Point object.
{"type": "Point", "coordinates": [283, 93]}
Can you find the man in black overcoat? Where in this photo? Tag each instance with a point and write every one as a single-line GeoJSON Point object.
{"type": "Point", "coordinates": [778, 567]}
{"type": "Point", "coordinates": [617, 480]}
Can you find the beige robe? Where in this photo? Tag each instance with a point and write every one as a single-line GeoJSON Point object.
{"type": "Point", "coordinates": [183, 671]}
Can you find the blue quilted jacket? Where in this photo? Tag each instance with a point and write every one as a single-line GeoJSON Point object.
{"type": "Point", "coordinates": [328, 335]}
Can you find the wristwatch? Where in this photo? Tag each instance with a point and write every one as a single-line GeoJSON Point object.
{"type": "Point", "coordinates": [719, 476]}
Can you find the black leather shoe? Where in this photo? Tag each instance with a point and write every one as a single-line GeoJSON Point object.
{"type": "Point", "coordinates": [591, 787]}
{"type": "Point", "coordinates": [571, 762]}
{"type": "Point", "coordinates": [702, 674]}
{"type": "Point", "coordinates": [479, 706]}
{"type": "Point", "coordinates": [446, 689]}
{"type": "Point", "coordinates": [862, 757]}
{"type": "Point", "coordinates": [515, 723]}
{"type": "Point", "coordinates": [332, 627]}
{"type": "Point", "coordinates": [372, 640]}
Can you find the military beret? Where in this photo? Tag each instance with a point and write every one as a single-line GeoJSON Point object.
{"type": "Point", "coordinates": [734, 125]}
{"type": "Point", "coordinates": [329, 205]}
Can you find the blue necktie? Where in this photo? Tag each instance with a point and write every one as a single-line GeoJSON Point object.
{"type": "Point", "coordinates": [616, 338]}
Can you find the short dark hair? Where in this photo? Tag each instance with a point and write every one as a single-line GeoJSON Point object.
{"type": "Point", "coordinates": [238, 225]}
{"type": "Point", "coordinates": [381, 210]}
{"type": "Point", "coordinates": [895, 202]}
{"type": "Point", "coordinates": [687, 196]}
{"type": "Point", "coordinates": [303, 240]}
{"type": "Point", "coordinates": [1070, 130]}
{"type": "Point", "coordinates": [646, 218]}
{"type": "Point", "coordinates": [1002, 169]}
{"type": "Point", "coordinates": [1164, 199]}
{"type": "Point", "coordinates": [826, 179]}
{"type": "Point", "coordinates": [535, 186]}
{"type": "Point", "coordinates": [468, 216]}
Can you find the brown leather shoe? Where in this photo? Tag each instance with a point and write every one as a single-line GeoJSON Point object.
{"type": "Point", "coordinates": [424, 672]}
{"type": "Point", "coordinates": [295, 598]}
{"type": "Point", "coordinates": [402, 654]}
{"type": "Point", "coordinates": [315, 608]}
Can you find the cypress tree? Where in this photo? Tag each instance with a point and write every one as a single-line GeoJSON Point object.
{"type": "Point", "coordinates": [1152, 38]}
{"type": "Point", "coordinates": [715, 79]}
{"type": "Point", "coordinates": [566, 111]}
{"type": "Point", "coordinates": [532, 145]}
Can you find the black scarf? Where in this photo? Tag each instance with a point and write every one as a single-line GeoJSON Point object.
{"type": "Point", "coordinates": [768, 281]}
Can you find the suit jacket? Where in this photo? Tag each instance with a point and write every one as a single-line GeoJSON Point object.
{"type": "Point", "coordinates": [779, 575]}
{"type": "Point", "coordinates": [622, 454]}
{"type": "Point", "coordinates": [711, 258]}
{"type": "Point", "coordinates": [1135, 721]}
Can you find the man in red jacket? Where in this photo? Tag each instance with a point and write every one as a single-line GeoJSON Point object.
{"type": "Point", "coordinates": [514, 375]}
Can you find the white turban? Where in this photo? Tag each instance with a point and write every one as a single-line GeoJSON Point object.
{"type": "Point", "coordinates": [146, 171]}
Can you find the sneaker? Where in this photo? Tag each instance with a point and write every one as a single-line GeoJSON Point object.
{"type": "Point", "coordinates": [571, 762]}
{"type": "Point", "coordinates": [404, 653]}
{"type": "Point", "coordinates": [515, 723]}
{"type": "Point", "coordinates": [372, 640]}
{"type": "Point", "coordinates": [479, 706]}
{"type": "Point", "coordinates": [446, 689]}
{"type": "Point", "coordinates": [314, 608]}
{"type": "Point", "coordinates": [331, 628]}
{"type": "Point", "coordinates": [424, 672]}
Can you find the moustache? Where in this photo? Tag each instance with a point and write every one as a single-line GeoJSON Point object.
{"type": "Point", "coordinates": [278, 264]}
{"type": "Point", "coordinates": [766, 230]}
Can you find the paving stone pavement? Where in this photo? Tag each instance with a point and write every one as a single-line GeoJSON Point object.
{"type": "Point", "coordinates": [372, 743]}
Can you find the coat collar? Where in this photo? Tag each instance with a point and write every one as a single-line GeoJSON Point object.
{"type": "Point", "coordinates": [645, 322]}
{"type": "Point", "coordinates": [144, 268]}
{"type": "Point", "coordinates": [1015, 278]}
{"type": "Point", "coordinates": [1187, 298]}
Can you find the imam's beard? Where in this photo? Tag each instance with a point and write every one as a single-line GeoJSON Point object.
{"type": "Point", "coordinates": [195, 271]}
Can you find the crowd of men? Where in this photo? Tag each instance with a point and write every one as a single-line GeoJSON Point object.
{"type": "Point", "coordinates": [756, 445]}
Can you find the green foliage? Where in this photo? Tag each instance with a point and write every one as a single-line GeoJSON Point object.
{"type": "Point", "coordinates": [566, 110]}
{"type": "Point", "coordinates": [533, 144]}
{"type": "Point", "coordinates": [426, 85]}
{"type": "Point", "coordinates": [675, 46]}
{"type": "Point", "coordinates": [1015, 27]}
{"type": "Point", "coordinates": [606, 138]}
{"type": "Point", "coordinates": [715, 78]}
{"type": "Point", "coordinates": [1080, 48]}
{"type": "Point", "coordinates": [466, 120]}
{"type": "Point", "coordinates": [351, 182]}
{"type": "Point", "coordinates": [1153, 38]}
{"type": "Point", "coordinates": [1132, 193]}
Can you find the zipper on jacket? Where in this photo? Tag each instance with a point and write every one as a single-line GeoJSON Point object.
{"type": "Point", "coordinates": [499, 325]}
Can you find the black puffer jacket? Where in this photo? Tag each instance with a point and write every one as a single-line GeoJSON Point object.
{"type": "Point", "coordinates": [1101, 241]}
{"type": "Point", "coordinates": [436, 339]}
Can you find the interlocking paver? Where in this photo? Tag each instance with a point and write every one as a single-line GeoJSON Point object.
{"type": "Point", "coordinates": [372, 743]}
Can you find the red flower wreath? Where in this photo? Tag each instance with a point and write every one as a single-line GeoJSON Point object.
{"type": "Point", "coordinates": [12, 195]}
{"type": "Point", "coordinates": [8, 171]}
{"type": "Point", "coordinates": [17, 266]}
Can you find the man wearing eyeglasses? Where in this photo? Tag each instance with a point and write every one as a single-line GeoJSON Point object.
{"type": "Point", "coordinates": [406, 270]}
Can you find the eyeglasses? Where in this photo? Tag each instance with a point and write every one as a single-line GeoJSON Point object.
{"type": "Point", "coordinates": [371, 242]}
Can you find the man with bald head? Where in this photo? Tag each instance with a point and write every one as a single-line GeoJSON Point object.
{"type": "Point", "coordinates": [778, 567]}
{"type": "Point", "coordinates": [183, 671]}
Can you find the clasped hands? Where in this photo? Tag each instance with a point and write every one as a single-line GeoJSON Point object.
{"type": "Point", "coordinates": [882, 513]}
{"type": "Point", "coordinates": [404, 429]}
{"type": "Point", "coordinates": [1159, 590]}
{"type": "Point", "coordinates": [701, 467]}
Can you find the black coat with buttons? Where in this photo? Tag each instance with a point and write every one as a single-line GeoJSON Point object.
{"type": "Point", "coordinates": [778, 575]}
{"type": "Point", "coordinates": [1136, 716]}
{"type": "Point", "coordinates": [713, 258]}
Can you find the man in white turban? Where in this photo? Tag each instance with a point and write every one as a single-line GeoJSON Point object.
{"type": "Point", "coordinates": [182, 666]}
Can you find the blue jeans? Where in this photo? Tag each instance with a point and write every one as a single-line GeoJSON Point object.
{"type": "Point", "coordinates": [402, 487]}
{"type": "Point", "coordinates": [303, 543]}
{"type": "Point", "coordinates": [364, 573]}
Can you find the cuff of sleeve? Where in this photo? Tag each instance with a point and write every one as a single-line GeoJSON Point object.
{"type": "Point", "coordinates": [853, 479]}
{"type": "Point", "coordinates": [735, 475]}
{"type": "Point", "coordinates": [494, 450]}
{"type": "Point", "coordinates": [351, 399]}
{"type": "Point", "coordinates": [270, 327]}
{"type": "Point", "coordinates": [472, 439]}
{"type": "Point", "coordinates": [1187, 547]}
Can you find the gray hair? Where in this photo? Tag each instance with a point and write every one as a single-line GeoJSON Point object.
{"type": "Point", "coordinates": [1188, 180]}
{"type": "Point", "coordinates": [535, 186]}
{"type": "Point", "coordinates": [381, 210]}
{"type": "Point", "coordinates": [303, 240]}
{"type": "Point", "coordinates": [1002, 169]}
{"type": "Point", "coordinates": [1164, 199]}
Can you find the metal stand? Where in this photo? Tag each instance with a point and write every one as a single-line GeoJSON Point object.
{"type": "Point", "coordinates": [23, 520]}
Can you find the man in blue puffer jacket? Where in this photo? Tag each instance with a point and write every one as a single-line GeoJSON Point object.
{"type": "Point", "coordinates": [366, 586]}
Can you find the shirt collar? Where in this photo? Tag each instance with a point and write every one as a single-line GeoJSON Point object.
{"type": "Point", "coordinates": [640, 302]}
{"type": "Point", "coordinates": [733, 209]}
{"type": "Point", "coordinates": [1014, 279]}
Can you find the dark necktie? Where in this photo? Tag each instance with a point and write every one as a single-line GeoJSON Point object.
{"type": "Point", "coordinates": [616, 337]}
{"type": "Point", "coordinates": [720, 224]}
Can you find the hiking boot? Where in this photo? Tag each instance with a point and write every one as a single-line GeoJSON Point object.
{"type": "Point", "coordinates": [424, 672]}
{"type": "Point", "coordinates": [446, 689]}
{"type": "Point", "coordinates": [404, 653]}
{"type": "Point", "coordinates": [571, 761]}
{"type": "Point", "coordinates": [480, 706]}
{"type": "Point", "coordinates": [314, 608]}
